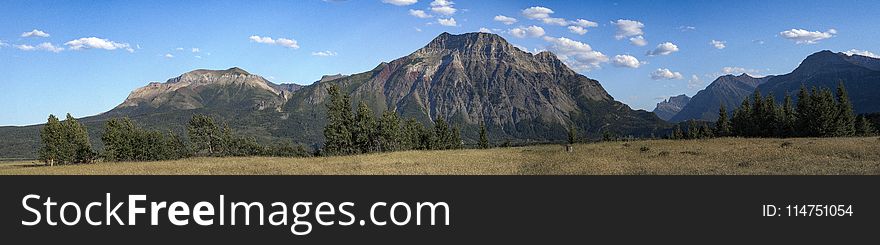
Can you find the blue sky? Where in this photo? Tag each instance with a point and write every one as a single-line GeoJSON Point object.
{"type": "Point", "coordinates": [84, 57]}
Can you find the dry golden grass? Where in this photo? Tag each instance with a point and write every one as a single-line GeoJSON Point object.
{"type": "Point", "coordinates": [724, 156]}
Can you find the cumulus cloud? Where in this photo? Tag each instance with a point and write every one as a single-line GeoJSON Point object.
{"type": "Point", "coordinates": [584, 23]}
{"type": "Point", "coordinates": [284, 42]}
{"type": "Point", "coordinates": [447, 22]}
{"type": "Point", "coordinates": [577, 55]}
{"type": "Point", "coordinates": [628, 28]}
{"type": "Point", "coordinates": [196, 50]}
{"type": "Point", "coordinates": [664, 49]}
{"type": "Point", "coordinates": [531, 31]}
{"type": "Point", "coordinates": [168, 56]}
{"type": "Point", "coordinates": [400, 2]}
{"type": "Point", "coordinates": [626, 61]}
{"type": "Point", "coordinates": [97, 43]}
{"type": "Point", "coordinates": [419, 13]}
{"type": "Point", "coordinates": [555, 21]}
{"type": "Point", "coordinates": [35, 33]}
{"type": "Point", "coordinates": [324, 53]}
{"type": "Point", "coordinates": [866, 53]}
{"type": "Point", "coordinates": [718, 44]}
{"type": "Point", "coordinates": [638, 41]}
{"type": "Point", "coordinates": [739, 70]}
{"type": "Point", "coordinates": [485, 30]}
{"type": "Point", "coordinates": [537, 12]}
{"type": "Point", "coordinates": [444, 7]}
{"type": "Point", "coordinates": [695, 82]}
{"type": "Point", "coordinates": [504, 19]}
{"type": "Point", "coordinates": [801, 36]}
{"type": "Point", "coordinates": [663, 73]}
{"type": "Point", "coordinates": [43, 46]}
{"type": "Point", "coordinates": [3, 44]}
{"type": "Point", "coordinates": [577, 30]}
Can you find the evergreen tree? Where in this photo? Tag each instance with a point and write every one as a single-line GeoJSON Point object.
{"type": "Point", "coordinates": [77, 148]}
{"type": "Point", "coordinates": [204, 134]}
{"type": "Point", "coordinates": [484, 136]}
{"type": "Point", "coordinates": [364, 129]}
{"type": "Point", "coordinates": [864, 127]}
{"type": "Point", "coordinates": [722, 126]}
{"type": "Point", "coordinates": [455, 138]}
{"type": "Point", "coordinates": [676, 132]}
{"type": "Point", "coordinates": [389, 131]}
{"type": "Point", "coordinates": [742, 120]}
{"type": "Point", "coordinates": [338, 132]}
{"type": "Point", "coordinates": [789, 118]}
{"type": "Point", "coordinates": [442, 134]}
{"type": "Point", "coordinates": [706, 132]}
{"type": "Point", "coordinates": [803, 113]}
{"type": "Point", "coordinates": [824, 120]}
{"type": "Point", "coordinates": [845, 121]}
{"type": "Point", "coordinates": [412, 134]}
{"type": "Point", "coordinates": [757, 122]}
{"type": "Point", "coordinates": [50, 139]}
{"type": "Point", "coordinates": [693, 130]}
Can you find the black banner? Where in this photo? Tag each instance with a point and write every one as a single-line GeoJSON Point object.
{"type": "Point", "coordinates": [492, 209]}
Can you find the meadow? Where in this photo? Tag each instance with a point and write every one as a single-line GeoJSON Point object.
{"type": "Point", "coordinates": [721, 156]}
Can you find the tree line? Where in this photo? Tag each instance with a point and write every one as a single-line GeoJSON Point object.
{"type": "Point", "coordinates": [355, 132]}
{"type": "Point", "coordinates": [819, 112]}
{"type": "Point", "coordinates": [67, 142]}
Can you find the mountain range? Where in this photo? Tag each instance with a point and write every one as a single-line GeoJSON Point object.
{"type": "Point", "coordinates": [668, 108]}
{"type": "Point", "coordinates": [859, 74]}
{"type": "Point", "coordinates": [468, 79]}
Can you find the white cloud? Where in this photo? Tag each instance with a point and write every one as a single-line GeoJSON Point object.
{"type": "Point", "coordinates": [444, 7]}
{"type": "Point", "coordinates": [577, 55]}
{"type": "Point", "coordinates": [97, 43]}
{"type": "Point", "coordinates": [628, 28]}
{"type": "Point", "coordinates": [447, 22]}
{"type": "Point", "coordinates": [531, 31]}
{"type": "Point", "coordinates": [198, 56]}
{"type": "Point", "coordinates": [284, 42]}
{"type": "Point", "coordinates": [577, 30]}
{"type": "Point", "coordinates": [400, 2]}
{"type": "Point", "coordinates": [537, 12]}
{"type": "Point", "coordinates": [862, 53]}
{"type": "Point", "coordinates": [3, 44]}
{"type": "Point", "coordinates": [638, 41]}
{"type": "Point", "coordinates": [35, 33]}
{"type": "Point", "coordinates": [418, 29]}
{"type": "Point", "coordinates": [663, 73]}
{"type": "Point", "coordinates": [626, 61]}
{"type": "Point", "coordinates": [485, 30]}
{"type": "Point", "coordinates": [196, 50]}
{"type": "Point", "coordinates": [664, 49]}
{"type": "Point", "coordinates": [695, 82]}
{"type": "Point", "coordinates": [419, 13]}
{"type": "Point", "coordinates": [584, 23]}
{"type": "Point", "coordinates": [687, 28]}
{"type": "Point", "coordinates": [168, 56]}
{"type": "Point", "coordinates": [324, 53]}
{"type": "Point", "coordinates": [504, 19]}
{"type": "Point", "coordinates": [555, 21]}
{"type": "Point", "coordinates": [43, 46]}
{"type": "Point", "coordinates": [179, 49]}
{"type": "Point", "coordinates": [718, 44]}
{"type": "Point", "coordinates": [739, 70]}
{"type": "Point", "coordinates": [801, 36]}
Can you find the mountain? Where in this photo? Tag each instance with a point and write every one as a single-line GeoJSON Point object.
{"type": "Point", "coordinates": [666, 109]}
{"type": "Point", "coordinates": [468, 79]}
{"type": "Point", "coordinates": [727, 90]}
{"type": "Point", "coordinates": [860, 75]}
{"type": "Point", "coordinates": [481, 78]}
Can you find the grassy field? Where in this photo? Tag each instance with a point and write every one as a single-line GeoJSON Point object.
{"type": "Point", "coordinates": [724, 156]}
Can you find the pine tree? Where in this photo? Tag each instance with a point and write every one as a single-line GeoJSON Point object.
{"type": "Point", "coordinates": [676, 132]}
{"type": "Point", "coordinates": [789, 118]}
{"type": "Point", "coordinates": [77, 148]}
{"type": "Point", "coordinates": [706, 132]}
{"type": "Point", "coordinates": [803, 113]}
{"type": "Point", "coordinates": [389, 131]}
{"type": "Point", "coordinates": [412, 131]}
{"type": "Point", "coordinates": [50, 139]}
{"type": "Point", "coordinates": [825, 114]}
{"type": "Point", "coordinates": [455, 138]}
{"type": "Point", "coordinates": [441, 134]}
{"type": "Point", "coordinates": [484, 136]}
{"type": "Point", "coordinates": [338, 132]}
{"type": "Point", "coordinates": [845, 121]}
{"type": "Point", "coordinates": [204, 134]}
{"type": "Point", "coordinates": [364, 129]}
{"type": "Point", "coordinates": [693, 131]}
{"type": "Point", "coordinates": [742, 120]}
{"type": "Point", "coordinates": [757, 121]}
{"type": "Point", "coordinates": [722, 126]}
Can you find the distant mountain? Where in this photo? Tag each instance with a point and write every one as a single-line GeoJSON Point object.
{"type": "Point", "coordinates": [860, 75]}
{"type": "Point", "coordinates": [666, 109]}
{"type": "Point", "coordinates": [728, 90]}
{"type": "Point", "coordinates": [468, 79]}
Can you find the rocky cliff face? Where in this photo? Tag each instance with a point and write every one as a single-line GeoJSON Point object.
{"type": "Point", "coordinates": [233, 88]}
{"type": "Point", "coordinates": [666, 109]}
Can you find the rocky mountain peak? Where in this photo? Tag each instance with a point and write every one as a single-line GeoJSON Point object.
{"type": "Point", "coordinates": [667, 108]}
{"type": "Point", "coordinates": [475, 43]}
